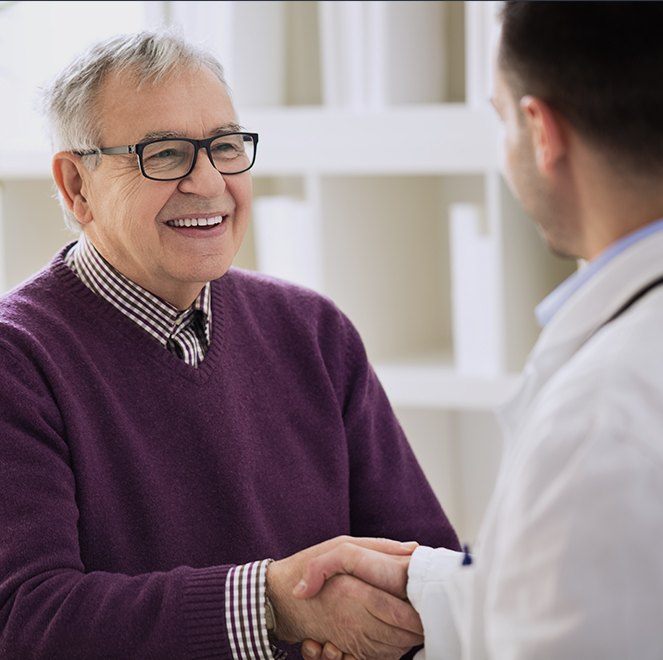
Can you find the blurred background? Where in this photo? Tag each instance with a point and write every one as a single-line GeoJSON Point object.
{"type": "Point", "coordinates": [377, 183]}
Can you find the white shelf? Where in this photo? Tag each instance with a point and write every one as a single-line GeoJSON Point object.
{"type": "Point", "coordinates": [440, 139]}
{"type": "Point", "coordinates": [431, 382]}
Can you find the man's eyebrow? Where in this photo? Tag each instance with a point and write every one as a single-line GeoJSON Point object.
{"type": "Point", "coordinates": [156, 135]}
{"type": "Point", "coordinates": [227, 128]}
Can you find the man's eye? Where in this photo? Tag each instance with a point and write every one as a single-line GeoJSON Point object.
{"type": "Point", "coordinates": [224, 148]}
{"type": "Point", "coordinates": [228, 147]}
{"type": "Point", "coordinates": [167, 153]}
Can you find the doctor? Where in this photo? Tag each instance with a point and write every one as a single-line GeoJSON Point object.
{"type": "Point", "coordinates": [569, 562]}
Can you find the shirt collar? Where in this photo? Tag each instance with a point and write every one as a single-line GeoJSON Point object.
{"type": "Point", "coordinates": [158, 317]}
{"type": "Point", "coordinates": [547, 309]}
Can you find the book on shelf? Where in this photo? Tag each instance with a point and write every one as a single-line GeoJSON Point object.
{"type": "Point", "coordinates": [377, 54]}
{"type": "Point", "coordinates": [288, 240]}
{"type": "Point", "coordinates": [474, 292]}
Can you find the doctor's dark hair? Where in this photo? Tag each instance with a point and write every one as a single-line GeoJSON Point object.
{"type": "Point", "coordinates": [599, 64]}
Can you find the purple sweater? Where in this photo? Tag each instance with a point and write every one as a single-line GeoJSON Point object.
{"type": "Point", "coordinates": [131, 482]}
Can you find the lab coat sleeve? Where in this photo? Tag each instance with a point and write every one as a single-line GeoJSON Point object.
{"type": "Point", "coordinates": [578, 571]}
{"type": "Point", "coordinates": [428, 576]}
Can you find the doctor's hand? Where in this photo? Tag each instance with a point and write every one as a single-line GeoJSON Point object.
{"type": "Point", "coordinates": [353, 616]}
{"type": "Point", "coordinates": [386, 571]}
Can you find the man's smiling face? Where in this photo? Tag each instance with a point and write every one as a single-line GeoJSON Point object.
{"type": "Point", "coordinates": [130, 214]}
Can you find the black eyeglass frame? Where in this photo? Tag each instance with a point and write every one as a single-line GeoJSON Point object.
{"type": "Point", "coordinates": [198, 145]}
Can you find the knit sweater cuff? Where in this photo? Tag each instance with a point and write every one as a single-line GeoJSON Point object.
{"type": "Point", "coordinates": [204, 611]}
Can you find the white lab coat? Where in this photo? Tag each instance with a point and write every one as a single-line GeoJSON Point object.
{"type": "Point", "coordinates": [569, 561]}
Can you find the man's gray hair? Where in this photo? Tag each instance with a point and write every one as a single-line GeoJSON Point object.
{"type": "Point", "coordinates": [69, 101]}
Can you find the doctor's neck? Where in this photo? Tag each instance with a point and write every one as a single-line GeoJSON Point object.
{"type": "Point", "coordinates": [612, 201]}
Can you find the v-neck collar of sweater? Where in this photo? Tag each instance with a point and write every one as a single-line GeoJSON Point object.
{"type": "Point", "coordinates": [153, 314]}
{"type": "Point", "coordinates": [147, 344]}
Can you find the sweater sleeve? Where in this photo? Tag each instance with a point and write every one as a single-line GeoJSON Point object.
{"type": "Point", "coordinates": [389, 494]}
{"type": "Point", "coordinates": [51, 605]}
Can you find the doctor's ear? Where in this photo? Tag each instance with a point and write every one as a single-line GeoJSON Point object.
{"type": "Point", "coordinates": [71, 179]}
{"type": "Point", "coordinates": [548, 133]}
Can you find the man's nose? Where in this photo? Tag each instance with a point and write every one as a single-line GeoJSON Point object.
{"type": "Point", "coordinates": [204, 179]}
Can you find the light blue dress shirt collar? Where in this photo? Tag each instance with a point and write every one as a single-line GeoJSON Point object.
{"type": "Point", "coordinates": [555, 301]}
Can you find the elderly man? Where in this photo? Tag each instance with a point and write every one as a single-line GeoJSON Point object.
{"type": "Point", "coordinates": [570, 563]}
{"type": "Point", "coordinates": [168, 424]}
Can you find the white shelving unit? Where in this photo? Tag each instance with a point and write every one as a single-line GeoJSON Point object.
{"type": "Point", "coordinates": [374, 125]}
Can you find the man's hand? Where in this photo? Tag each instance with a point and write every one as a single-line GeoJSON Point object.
{"type": "Point", "coordinates": [385, 571]}
{"type": "Point", "coordinates": [357, 618]}
{"type": "Point", "coordinates": [314, 651]}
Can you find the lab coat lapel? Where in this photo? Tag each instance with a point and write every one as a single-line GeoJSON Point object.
{"type": "Point", "coordinates": [574, 326]}
{"type": "Point", "coordinates": [583, 315]}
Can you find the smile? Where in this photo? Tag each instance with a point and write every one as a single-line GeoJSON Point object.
{"type": "Point", "coordinates": [196, 222]}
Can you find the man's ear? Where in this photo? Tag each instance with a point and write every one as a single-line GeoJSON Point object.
{"type": "Point", "coordinates": [548, 133]}
{"type": "Point", "coordinates": [70, 177]}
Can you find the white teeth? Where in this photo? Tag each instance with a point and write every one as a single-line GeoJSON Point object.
{"type": "Point", "coordinates": [195, 222]}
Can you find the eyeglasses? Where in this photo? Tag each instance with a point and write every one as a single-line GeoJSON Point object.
{"type": "Point", "coordinates": [168, 159]}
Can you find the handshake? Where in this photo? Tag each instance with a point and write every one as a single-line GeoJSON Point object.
{"type": "Point", "coordinates": [346, 598]}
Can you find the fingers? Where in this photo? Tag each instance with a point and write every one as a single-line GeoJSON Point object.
{"type": "Point", "coordinates": [385, 571]}
{"type": "Point", "coordinates": [330, 652]}
{"type": "Point", "coordinates": [370, 614]}
{"type": "Point", "coordinates": [311, 649]}
{"type": "Point", "coordinates": [398, 614]}
{"type": "Point", "coordinates": [357, 629]}
{"type": "Point", "coordinates": [388, 546]}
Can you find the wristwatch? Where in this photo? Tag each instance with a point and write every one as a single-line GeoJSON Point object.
{"type": "Point", "coordinates": [270, 619]}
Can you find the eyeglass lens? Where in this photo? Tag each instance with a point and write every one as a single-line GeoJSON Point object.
{"type": "Point", "coordinates": [169, 159]}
